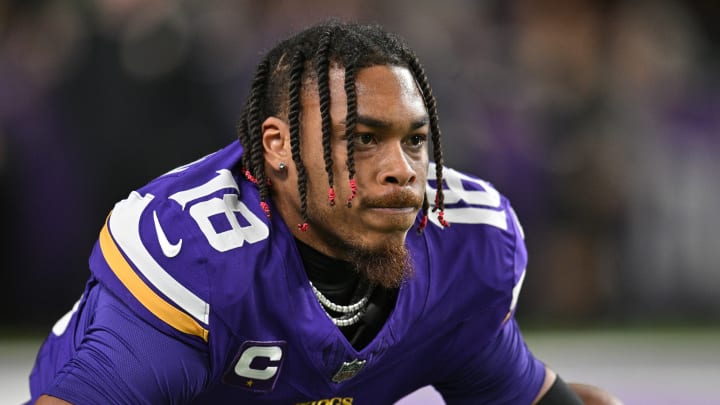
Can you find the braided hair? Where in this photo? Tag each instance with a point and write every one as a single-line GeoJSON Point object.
{"type": "Point", "coordinates": [309, 55]}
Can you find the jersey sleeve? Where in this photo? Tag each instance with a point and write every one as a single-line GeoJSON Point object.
{"type": "Point", "coordinates": [145, 256]}
{"type": "Point", "coordinates": [124, 360]}
{"type": "Point", "coordinates": [482, 259]}
{"type": "Point", "coordinates": [501, 372]}
{"type": "Point", "coordinates": [483, 248]}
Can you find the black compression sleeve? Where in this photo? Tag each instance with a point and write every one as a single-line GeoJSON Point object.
{"type": "Point", "coordinates": [560, 394]}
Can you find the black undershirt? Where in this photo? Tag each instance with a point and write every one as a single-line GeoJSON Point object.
{"type": "Point", "coordinates": [341, 284]}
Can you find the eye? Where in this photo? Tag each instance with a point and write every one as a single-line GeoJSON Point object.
{"type": "Point", "coordinates": [364, 139]}
{"type": "Point", "coordinates": [417, 139]}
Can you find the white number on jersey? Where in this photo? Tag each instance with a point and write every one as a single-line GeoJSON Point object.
{"type": "Point", "coordinates": [490, 212]}
{"type": "Point", "coordinates": [201, 212]}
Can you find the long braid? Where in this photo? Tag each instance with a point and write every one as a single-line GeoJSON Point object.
{"type": "Point", "coordinates": [243, 135]}
{"type": "Point", "coordinates": [296, 73]}
{"type": "Point", "coordinates": [431, 106]}
{"type": "Point", "coordinates": [278, 85]}
{"type": "Point", "coordinates": [255, 168]}
{"type": "Point", "coordinates": [323, 81]}
{"type": "Point", "coordinates": [350, 123]}
{"type": "Point", "coordinates": [424, 219]}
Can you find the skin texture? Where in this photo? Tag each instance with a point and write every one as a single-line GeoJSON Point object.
{"type": "Point", "coordinates": [550, 377]}
{"type": "Point", "coordinates": [48, 400]}
{"type": "Point", "coordinates": [391, 160]}
{"type": "Point", "coordinates": [592, 395]}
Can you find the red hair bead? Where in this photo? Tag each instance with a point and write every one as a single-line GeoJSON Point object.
{"type": "Point", "coordinates": [353, 191]}
{"type": "Point", "coordinates": [441, 218]}
{"type": "Point", "coordinates": [266, 208]}
{"type": "Point", "coordinates": [331, 196]}
{"type": "Point", "coordinates": [249, 176]}
{"type": "Point", "coordinates": [423, 224]}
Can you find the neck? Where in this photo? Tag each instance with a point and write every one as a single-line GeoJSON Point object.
{"type": "Point", "coordinates": [336, 279]}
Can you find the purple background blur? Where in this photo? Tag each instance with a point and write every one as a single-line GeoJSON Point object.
{"type": "Point", "coordinates": [599, 119]}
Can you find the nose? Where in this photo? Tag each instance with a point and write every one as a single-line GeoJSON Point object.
{"type": "Point", "coordinates": [395, 168]}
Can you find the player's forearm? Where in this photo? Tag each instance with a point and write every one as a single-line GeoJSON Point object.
{"type": "Point", "coordinates": [592, 395]}
{"type": "Point", "coordinates": [555, 391]}
{"type": "Point", "coordinates": [48, 400]}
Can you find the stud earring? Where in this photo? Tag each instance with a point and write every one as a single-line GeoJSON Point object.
{"type": "Point", "coordinates": [282, 166]}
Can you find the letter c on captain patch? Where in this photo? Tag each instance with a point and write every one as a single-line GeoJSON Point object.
{"type": "Point", "coordinates": [272, 354]}
{"type": "Point", "coordinates": [256, 366]}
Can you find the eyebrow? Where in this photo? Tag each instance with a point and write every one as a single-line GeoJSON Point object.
{"type": "Point", "coordinates": [382, 124]}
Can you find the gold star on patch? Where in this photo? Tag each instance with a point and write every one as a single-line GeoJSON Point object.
{"type": "Point", "coordinates": [249, 383]}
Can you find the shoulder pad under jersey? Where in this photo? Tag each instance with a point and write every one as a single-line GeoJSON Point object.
{"type": "Point", "coordinates": [156, 244]}
{"type": "Point", "coordinates": [483, 251]}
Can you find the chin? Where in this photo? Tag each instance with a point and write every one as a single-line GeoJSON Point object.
{"type": "Point", "coordinates": [390, 225]}
{"type": "Point", "coordinates": [385, 263]}
{"type": "Point", "coordinates": [378, 241]}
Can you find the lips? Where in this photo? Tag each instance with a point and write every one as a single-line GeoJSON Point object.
{"type": "Point", "coordinates": [392, 207]}
{"type": "Point", "coordinates": [398, 210]}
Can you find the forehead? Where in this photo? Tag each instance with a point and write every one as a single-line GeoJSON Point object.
{"type": "Point", "coordinates": [382, 80]}
{"type": "Point", "coordinates": [388, 90]}
{"type": "Point", "coordinates": [385, 92]}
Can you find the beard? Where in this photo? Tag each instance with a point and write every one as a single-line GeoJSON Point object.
{"type": "Point", "coordinates": [388, 266]}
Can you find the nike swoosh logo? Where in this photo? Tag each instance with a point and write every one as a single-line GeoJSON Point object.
{"type": "Point", "coordinates": [168, 249]}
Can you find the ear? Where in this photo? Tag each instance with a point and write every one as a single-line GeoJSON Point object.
{"type": "Point", "coordinates": [276, 141]}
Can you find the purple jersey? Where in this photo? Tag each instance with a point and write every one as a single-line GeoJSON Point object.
{"type": "Point", "coordinates": [196, 296]}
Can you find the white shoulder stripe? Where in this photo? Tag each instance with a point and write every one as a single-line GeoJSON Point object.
{"type": "Point", "coordinates": [516, 291]}
{"type": "Point", "coordinates": [473, 215]}
{"type": "Point", "coordinates": [124, 225]}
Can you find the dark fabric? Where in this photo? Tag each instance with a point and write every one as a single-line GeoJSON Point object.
{"type": "Point", "coordinates": [341, 284]}
{"type": "Point", "coordinates": [560, 394]}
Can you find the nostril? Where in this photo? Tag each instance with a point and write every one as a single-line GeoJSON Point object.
{"type": "Point", "coordinates": [392, 180]}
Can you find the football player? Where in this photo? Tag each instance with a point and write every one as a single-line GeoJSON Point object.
{"type": "Point", "coordinates": [312, 261]}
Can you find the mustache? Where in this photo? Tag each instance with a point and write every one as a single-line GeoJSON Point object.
{"type": "Point", "coordinates": [396, 199]}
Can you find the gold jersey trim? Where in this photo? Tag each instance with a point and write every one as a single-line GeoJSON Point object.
{"type": "Point", "coordinates": [137, 287]}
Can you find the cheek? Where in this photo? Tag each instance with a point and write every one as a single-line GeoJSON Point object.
{"type": "Point", "coordinates": [364, 171]}
{"type": "Point", "coordinates": [339, 156]}
{"type": "Point", "coordinates": [422, 167]}
{"type": "Point", "coordinates": [420, 164]}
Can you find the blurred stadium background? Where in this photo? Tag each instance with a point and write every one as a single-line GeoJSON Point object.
{"type": "Point", "coordinates": [600, 120]}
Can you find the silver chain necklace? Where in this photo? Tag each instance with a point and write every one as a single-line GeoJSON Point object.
{"type": "Point", "coordinates": [351, 313]}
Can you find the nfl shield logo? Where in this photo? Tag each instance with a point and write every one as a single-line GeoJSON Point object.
{"type": "Point", "coordinates": [348, 370]}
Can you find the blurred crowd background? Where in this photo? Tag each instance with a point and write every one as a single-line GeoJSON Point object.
{"type": "Point", "coordinates": [600, 120]}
